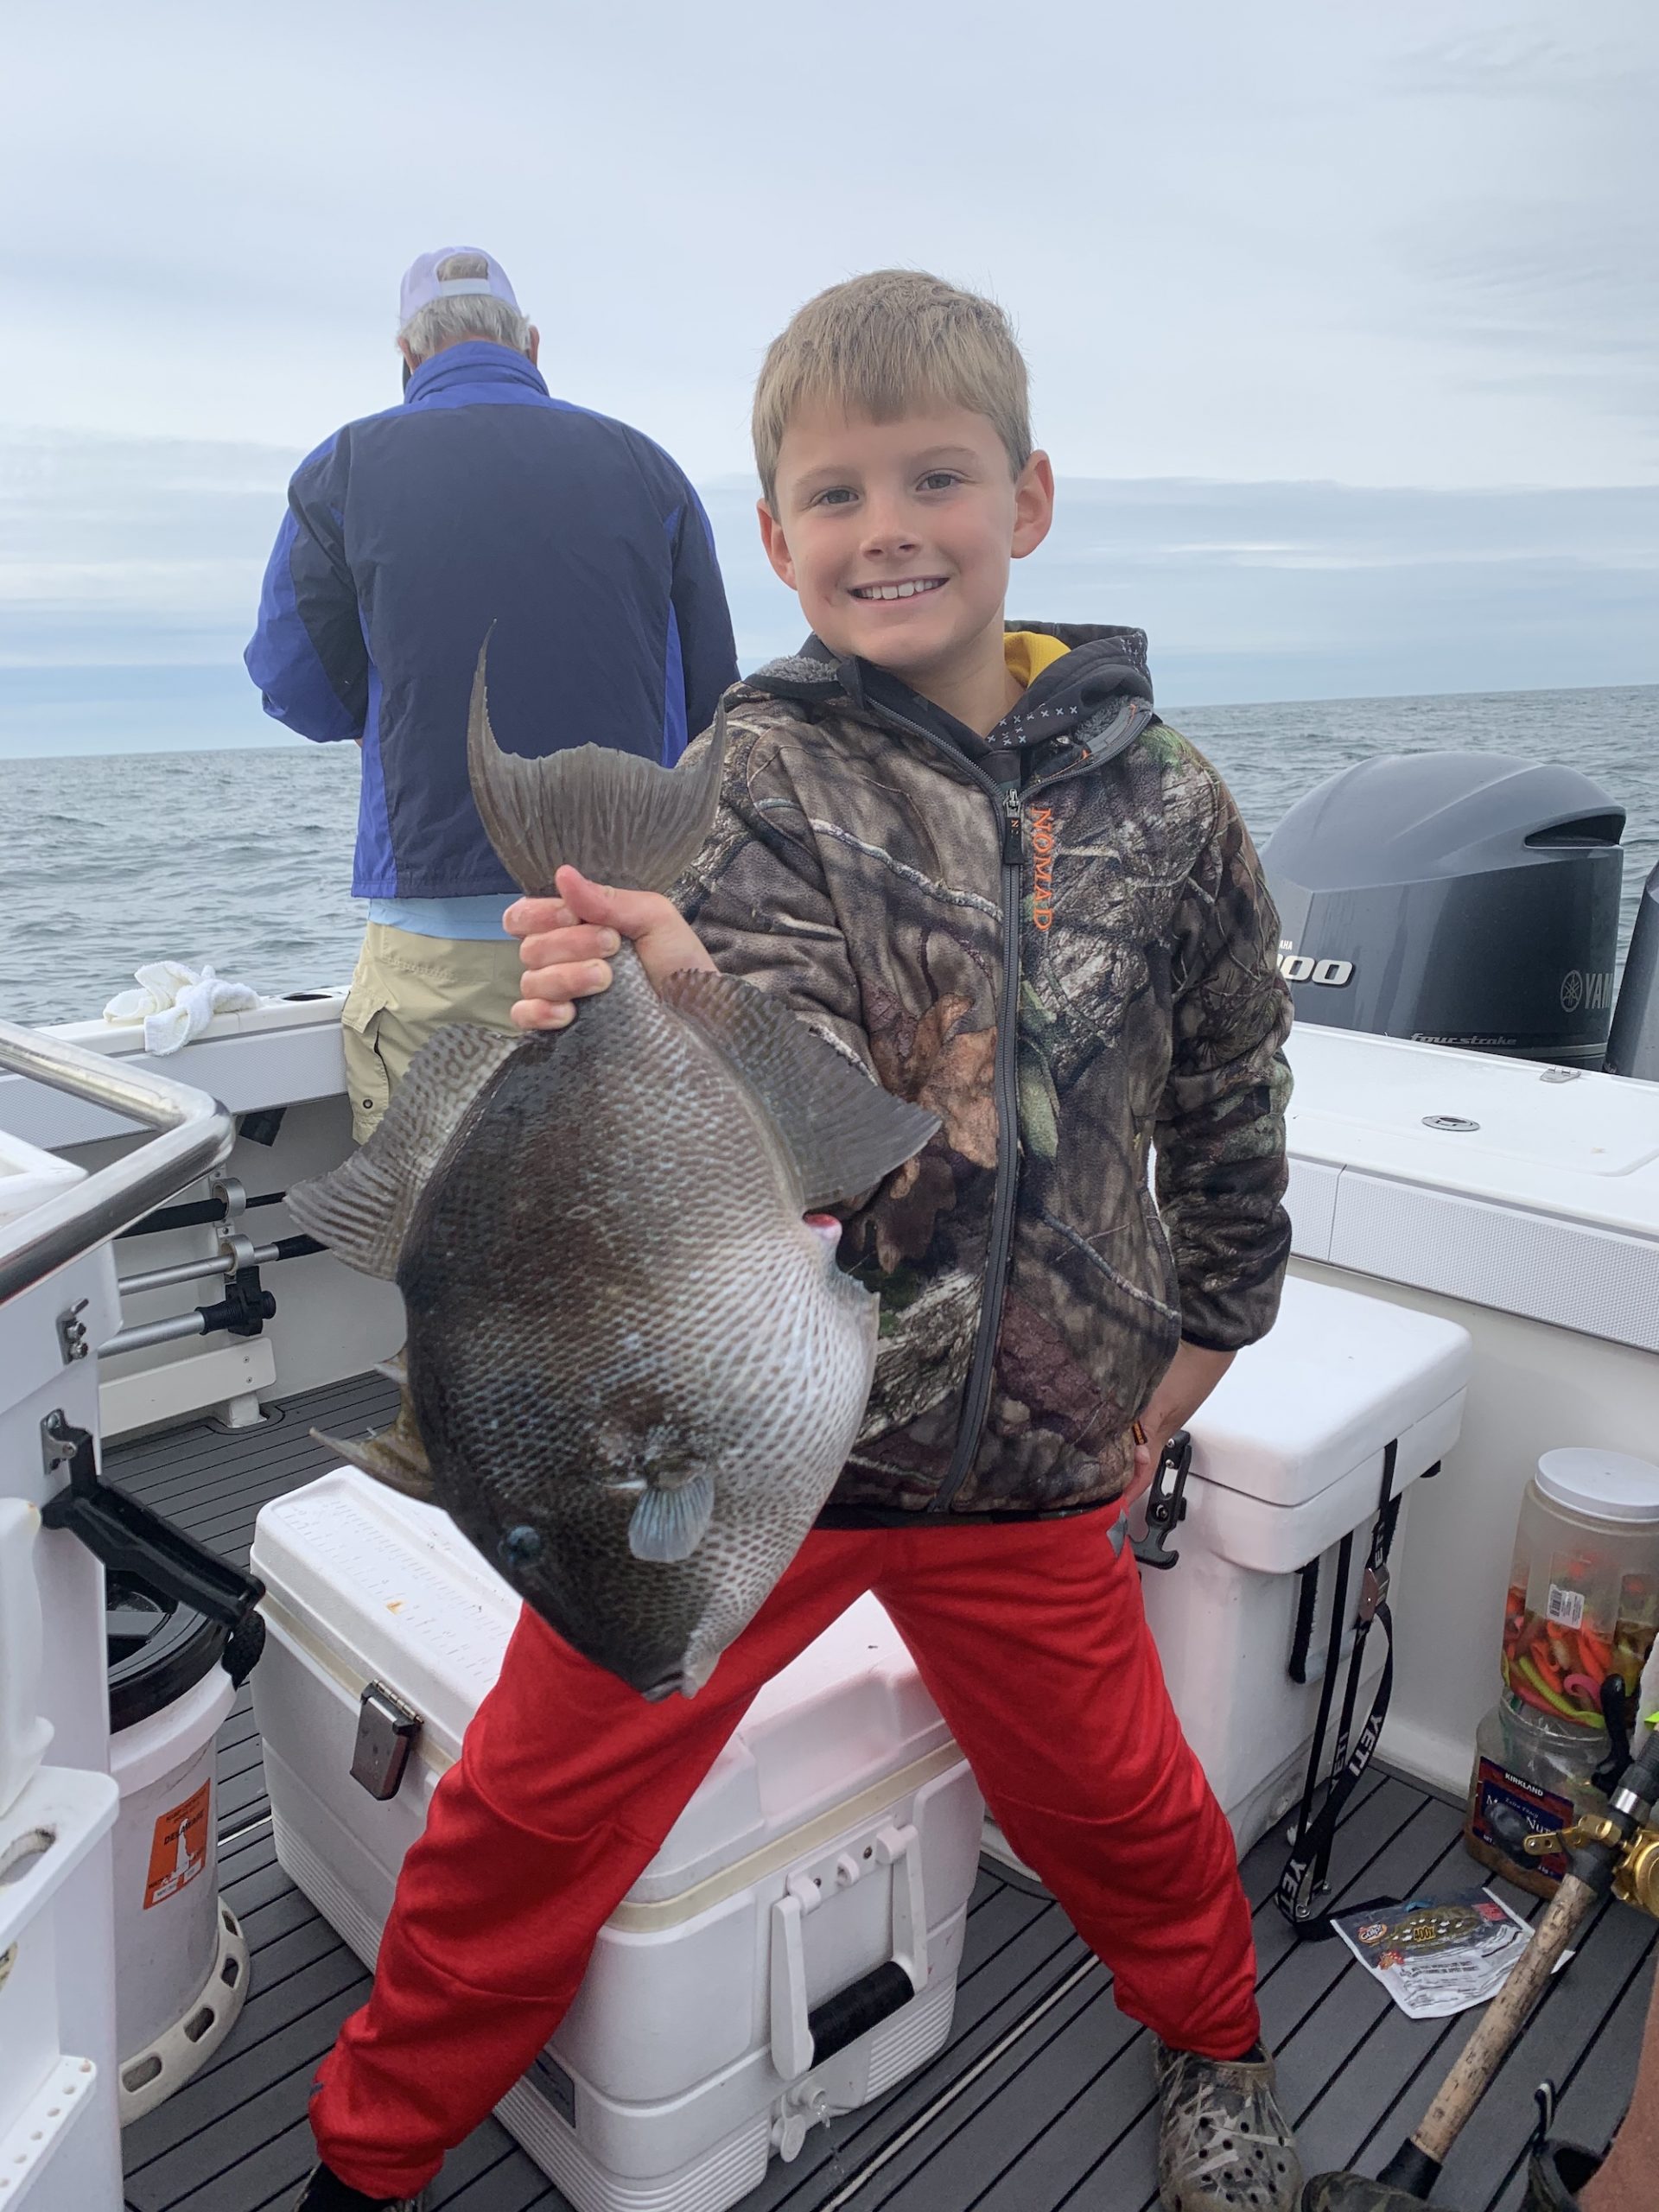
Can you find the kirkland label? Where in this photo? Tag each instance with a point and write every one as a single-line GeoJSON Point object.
{"type": "Point", "coordinates": [1508, 1810]}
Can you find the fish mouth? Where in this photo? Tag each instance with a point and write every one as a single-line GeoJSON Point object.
{"type": "Point", "coordinates": [824, 1225]}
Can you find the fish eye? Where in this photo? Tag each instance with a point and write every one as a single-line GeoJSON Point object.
{"type": "Point", "coordinates": [520, 1546]}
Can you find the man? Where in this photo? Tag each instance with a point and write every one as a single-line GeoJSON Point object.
{"type": "Point", "coordinates": [480, 505]}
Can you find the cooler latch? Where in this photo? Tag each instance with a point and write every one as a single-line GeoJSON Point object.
{"type": "Point", "coordinates": [385, 1731]}
{"type": "Point", "coordinates": [1166, 1503]}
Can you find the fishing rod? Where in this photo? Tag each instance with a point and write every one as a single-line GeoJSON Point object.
{"type": "Point", "coordinates": [1616, 1851]}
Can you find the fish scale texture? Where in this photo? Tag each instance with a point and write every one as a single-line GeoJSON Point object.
{"type": "Point", "coordinates": [610, 1283]}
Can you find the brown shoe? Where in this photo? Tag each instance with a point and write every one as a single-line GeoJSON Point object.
{"type": "Point", "coordinates": [1224, 2145]}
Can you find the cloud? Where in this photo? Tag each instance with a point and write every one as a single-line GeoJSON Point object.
{"type": "Point", "coordinates": [126, 549]}
{"type": "Point", "coordinates": [129, 572]}
{"type": "Point", "coordinates": [1610, 59]}
{"type": "Point", "coordinates": [1388, 246]}
{"type": "Point", "coordinates": [1535, 262]}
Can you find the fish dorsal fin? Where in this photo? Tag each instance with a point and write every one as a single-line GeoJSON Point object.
{"type": "Point", "coordinates": [362, 1209]}
{"type": "Point", "coordinates": [843, 1132]}
{"type": "Point", "coordinates": [620, 819]}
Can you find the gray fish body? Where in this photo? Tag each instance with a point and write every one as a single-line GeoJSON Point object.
{"type": "Point", "coordinates": [610, 1283]}
{"type": "Point", "coordinates": [633, 1369]}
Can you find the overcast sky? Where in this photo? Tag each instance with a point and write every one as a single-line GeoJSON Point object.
{"type": "Point", "coordinates": [1408, 245]}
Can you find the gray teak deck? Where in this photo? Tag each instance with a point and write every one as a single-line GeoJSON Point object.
{"type": "Point", "coordinates": [1043, 2097]}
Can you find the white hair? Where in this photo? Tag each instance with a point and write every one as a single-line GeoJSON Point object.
{"type": "Point", "coordinates": [473, 315]}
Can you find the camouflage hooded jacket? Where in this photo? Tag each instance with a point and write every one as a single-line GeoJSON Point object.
{"type": "Point", "coordinates": [1059, 940]}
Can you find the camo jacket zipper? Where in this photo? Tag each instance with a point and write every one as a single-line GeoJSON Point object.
{"type": "Point", "coordinates": [1009, 803]}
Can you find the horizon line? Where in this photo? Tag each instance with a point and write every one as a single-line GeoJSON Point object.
{"type": "Point", "coordinates": [742, 479]}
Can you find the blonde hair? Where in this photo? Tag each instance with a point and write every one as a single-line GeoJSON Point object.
{"type": "Point", "coordinates": [884, 345]}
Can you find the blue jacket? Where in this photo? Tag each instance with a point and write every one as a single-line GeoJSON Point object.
{"type": "Point", "coordinates": [482, 501]}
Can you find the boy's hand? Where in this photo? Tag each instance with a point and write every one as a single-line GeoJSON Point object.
{"type": "Point", "coordinates": [1191, 1375]}
{"type": "Point", "coordinates": [566, 942]}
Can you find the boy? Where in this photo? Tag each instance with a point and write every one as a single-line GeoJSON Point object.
{"type": "Point", "coordinates": [975, 859]}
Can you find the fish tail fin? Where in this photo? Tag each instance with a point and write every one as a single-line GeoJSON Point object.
{"type": "Point", "coordinates": [620, 819]}
{"type": "Point", "coordinates": [392, 1456]}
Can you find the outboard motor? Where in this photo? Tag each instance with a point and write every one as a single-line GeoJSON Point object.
{"type": "Point", "coordinates": [1633, 1044]}
{"type": "Point", "coordinates": [1461, 899]}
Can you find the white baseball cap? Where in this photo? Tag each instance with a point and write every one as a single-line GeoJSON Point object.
{"type": "Point", "coordinates": [421, 283]}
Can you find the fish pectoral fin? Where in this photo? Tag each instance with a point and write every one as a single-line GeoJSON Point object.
{"type": "Point", "coordinates": [842, 1130]}
{"type": "Point", "coordinates": [392, 1457]}
{"type": "Point", "coordinates": [362, 1209]}
{"type": "Point", "coordinates": [669, 1524]}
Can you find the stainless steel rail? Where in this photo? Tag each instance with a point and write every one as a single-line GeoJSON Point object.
{"type": "Point", "coordinates": [195, 1133]}
{"type": "Point", "coordinates": [217, 1263]}
{"type": "Point", "coordinates": [143, 1334]}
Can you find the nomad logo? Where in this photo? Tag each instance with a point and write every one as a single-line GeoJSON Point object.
{"type": "Point", "coordinates": [1297, 968]}
{"type": "Point", "coordinates": [1593, 992]}
{"type": "Point", "coordinates": [1043, 844]}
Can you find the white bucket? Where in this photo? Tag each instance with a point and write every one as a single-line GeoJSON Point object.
{"type": "Point", "coordinates": [180, 1962]}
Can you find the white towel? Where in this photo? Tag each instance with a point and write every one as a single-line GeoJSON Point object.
{"type": "Point", "coordinates": [175, 1003]}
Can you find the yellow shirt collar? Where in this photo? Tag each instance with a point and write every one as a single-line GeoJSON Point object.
{"type": "Point", "coordinates": [1028, 652]}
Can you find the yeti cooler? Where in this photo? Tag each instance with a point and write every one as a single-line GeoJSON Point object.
{"type": "Point", "coordinates": [791, 1953]}
{"type": "Point", "coordinates": [1287, 1458]}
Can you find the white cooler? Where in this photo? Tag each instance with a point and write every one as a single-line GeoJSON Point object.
{"type": "Point", "coordinates": [791, 1953]}
{"type": "Point", "coordinates": [1287, 1458]}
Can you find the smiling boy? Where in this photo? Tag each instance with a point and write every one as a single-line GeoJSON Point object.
{"type": "Point", "coordinates": [972, 855]}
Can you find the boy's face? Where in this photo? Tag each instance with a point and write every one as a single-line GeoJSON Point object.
{"type": "Point", "coordinates": [897, 536]}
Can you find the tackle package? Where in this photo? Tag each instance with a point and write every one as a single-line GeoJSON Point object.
{"type": "Point", "coordinates": [1436, 1956]}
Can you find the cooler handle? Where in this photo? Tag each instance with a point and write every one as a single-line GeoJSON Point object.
{"type": "Point", "coordinates": [802, 2037]}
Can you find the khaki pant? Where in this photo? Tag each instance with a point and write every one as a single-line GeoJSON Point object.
{"type": "Point", "coordinates": [405, 988]}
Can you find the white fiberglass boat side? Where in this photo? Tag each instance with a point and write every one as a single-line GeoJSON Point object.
{"type": "Point", "coordinates": [1521, 1201]}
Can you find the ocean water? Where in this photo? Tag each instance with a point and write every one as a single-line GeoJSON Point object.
{"type": "Point", "coordinates": [243, 857]}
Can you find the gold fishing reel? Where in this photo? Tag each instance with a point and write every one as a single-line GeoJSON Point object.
{"type": "Point", "coordinates": [1636, 1871]}
{"type": "Point", "coordinates": [1636, 1878]}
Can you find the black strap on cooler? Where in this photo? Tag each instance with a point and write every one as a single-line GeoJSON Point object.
{"type": "Point", "coordinates": [1310, 1855]}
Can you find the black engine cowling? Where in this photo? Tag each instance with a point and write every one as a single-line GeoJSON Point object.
{"type": "Point", "coordinates": [1633, 1044]}
{"type": "Point", "coordinates": [1464, 898]}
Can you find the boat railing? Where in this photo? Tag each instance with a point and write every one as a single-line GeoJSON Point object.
{"type": "Point", "coordinates": [194, 1133]}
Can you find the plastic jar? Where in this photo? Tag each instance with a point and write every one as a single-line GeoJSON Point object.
{"type": "Point", "coordinates": [1532, 1778]}
{"type": "Point", "coordinates": [1583, 1600]}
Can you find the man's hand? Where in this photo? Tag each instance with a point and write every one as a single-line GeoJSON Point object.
{"type": "Point", "coordinates": [1191, 1375]}
{"type": "Point", "coordinates": [566, 943]}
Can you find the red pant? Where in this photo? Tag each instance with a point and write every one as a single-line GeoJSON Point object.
{"type": "Point", "coordinates": [1032, 1640]}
